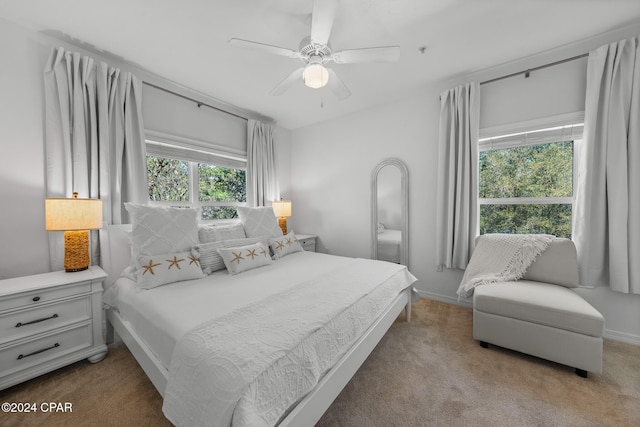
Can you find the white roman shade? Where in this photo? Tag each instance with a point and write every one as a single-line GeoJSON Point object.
{"type": "Point", "coordinates": [193, 151]}
{"type": "Point", "coordinates": [195, 132]}
{"type": "Point", "coordinates": [566, 127]}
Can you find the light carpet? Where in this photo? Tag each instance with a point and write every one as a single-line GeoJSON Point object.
{"type": "Point", "coordinates": [430, 372]}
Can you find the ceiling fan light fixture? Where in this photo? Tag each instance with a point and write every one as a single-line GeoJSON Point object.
{"type": "Point", "coordinates": [315, 76]}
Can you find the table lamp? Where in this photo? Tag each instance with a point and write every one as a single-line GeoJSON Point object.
{"type": "Point", "coordinates": [75, 217]}
{"type": "Point", "coordinates": [282, 210]}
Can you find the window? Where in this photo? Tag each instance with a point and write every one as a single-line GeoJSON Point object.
{"type": "Point", "coordinates": [526, 182]}
{"type": "Point", "coordinates": [190, 178]}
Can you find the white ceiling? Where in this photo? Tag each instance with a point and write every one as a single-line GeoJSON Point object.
{"type": "Point", "coordinates": [187, 42]}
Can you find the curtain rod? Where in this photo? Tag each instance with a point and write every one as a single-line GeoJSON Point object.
{"type": "Point", "coordinates": [526, 72]}
{"type": "Point", "coordinates": [198, 103]}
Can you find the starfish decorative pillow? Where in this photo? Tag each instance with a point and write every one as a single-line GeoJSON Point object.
{"type": "Point", "coordinates": [210, 259]}
{"type": "Point", "coordinates": [157, 270]}
{"type": "Point", "coordinates": [284, 245]}
{"type": "Point", "coordinates": [245, 258]}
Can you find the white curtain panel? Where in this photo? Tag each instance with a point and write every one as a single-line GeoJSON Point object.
{"type": "Point", "coordinates": [94, 138]}
{"type": "Point", "coordinates": [262, 173]}
{"type": "Point", "coordinates": [457, 194]}
{"type": "Point", "coordinates": [607, 217]}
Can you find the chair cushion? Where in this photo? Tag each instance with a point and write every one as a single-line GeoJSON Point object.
{"type": "Point", "coordinates": [541, 303]}
{"type": "Point", "coordinates": [558, 264]}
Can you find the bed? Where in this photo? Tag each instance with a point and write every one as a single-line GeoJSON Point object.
{"type": "Point", "coordinates": [389, 245]}
{"type": "Point", "coordinates": [162, 326]}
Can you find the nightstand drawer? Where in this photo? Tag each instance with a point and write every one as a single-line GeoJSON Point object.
{"type": "Point", "coordinates": [43, 318]}
{"type": "Point", "coordinates": [44, 295]}
{"type": "Point", "coordinates": [308, 244]}
{"type": "Point", "coordinates": [42, 349]}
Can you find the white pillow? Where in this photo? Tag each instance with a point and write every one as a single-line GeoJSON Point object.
{"type": "Point", "coordinates": [210, 259]}
{"type": "Point", "coordinates": [215, 233]}
{"type": "Point", "coordinates": [260, 221]}
{"type": "Point", "coordinates": [156, 270]}
{"type": "Point", "coordinates": [284, 245]}
{"type": "Point", "coordinates": [245, 258]}
{"type": "Point", "coordinates": [162, 230]}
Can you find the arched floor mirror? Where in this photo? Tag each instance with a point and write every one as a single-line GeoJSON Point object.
{"type": "Point", "coordinates": [390, 211]}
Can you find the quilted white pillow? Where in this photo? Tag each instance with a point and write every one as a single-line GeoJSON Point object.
{"type": "Point", "coordinates": [284, 245]}
{"type": "Point", "coordinates": [162, 230]}
{"type": "Point", "coordinates": [215, 233]}
{"type": "Point", "coordinates": [260, 221]}
{"type": "Point", "coordinates": [245, 258]}
{"type": "Point", "coordinates": [157, 270]}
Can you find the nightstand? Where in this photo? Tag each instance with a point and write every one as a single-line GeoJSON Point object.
{"type": "Point", "coordinates": [48, 321]}
{"type": "Point", "coordinates": [307, 241]}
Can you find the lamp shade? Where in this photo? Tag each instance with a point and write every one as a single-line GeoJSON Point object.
{"type": "Point", "coordinates": [282, 208]}
{"type": "Point", "coordinates": [72, 214]}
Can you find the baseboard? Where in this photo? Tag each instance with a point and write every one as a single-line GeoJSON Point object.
{"type": "Point", "coordinates": [467, 302]}
{"type": "Point", "coordinates": [622, 336]}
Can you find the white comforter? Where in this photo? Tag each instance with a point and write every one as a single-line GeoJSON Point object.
{"type": "Point", "coordinates": [162, 315]}
{"type": "Point", "coordinates": [249, 366]}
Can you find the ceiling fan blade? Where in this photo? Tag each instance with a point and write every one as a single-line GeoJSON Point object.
{"type": "Point", "coordinates": [337, 86]}
{"type": "Point", "coordinates": [287, 82]}
{"type": "Point", "coordinates": [324, 12]}
{"type": "Point", "coordinates": [266, 48]}
{"type": "Point", "coordinates": [371, 54]}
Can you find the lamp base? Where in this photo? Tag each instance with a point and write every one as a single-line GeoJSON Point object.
{"type": "Point", "coordinates": [76, 250]}
{"type": "Point", "coordinates": [282, 223]}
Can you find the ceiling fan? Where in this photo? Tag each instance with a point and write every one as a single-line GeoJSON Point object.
{"type": "Point", "coordinates": [314, 51]}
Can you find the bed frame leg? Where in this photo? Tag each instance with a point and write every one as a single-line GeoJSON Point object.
{"type": "Point", "coordinates": [110, 338]}
{"type": "Point", "coordinates": [582, 373]}
{"type": "Point", "coordinates": [407, 312]}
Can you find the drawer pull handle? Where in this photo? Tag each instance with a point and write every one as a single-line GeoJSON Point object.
{"type": "Point", "coordinates": [55, 316]}
{"type": "Point", "coordinates": [36, 299]}
{"type": "Point", "coordinates": [22, 356]}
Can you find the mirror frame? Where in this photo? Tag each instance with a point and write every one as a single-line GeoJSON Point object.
{"type": "Point", "coordinates": [404, 194]}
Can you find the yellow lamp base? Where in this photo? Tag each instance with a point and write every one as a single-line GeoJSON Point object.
{"type": "Point", "coordinates": [282, 223]}
{"type": "Point", "coordinates": [76, 250]}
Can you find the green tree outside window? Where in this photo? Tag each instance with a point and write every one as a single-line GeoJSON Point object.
{"type": "Point", "coordinates": [534, 176]}
{"type": "Point", "coordinates": [218, 188]}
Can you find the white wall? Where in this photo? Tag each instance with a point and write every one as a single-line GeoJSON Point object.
{"type": "Point", "coordinates": [332, 164]}
{"type": "Point", "coordinates": [23, 247]}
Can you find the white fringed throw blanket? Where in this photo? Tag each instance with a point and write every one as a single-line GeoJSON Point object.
{"type": "Point", "coordinates": [501, 258]}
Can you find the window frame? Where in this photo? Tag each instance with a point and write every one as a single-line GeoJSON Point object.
{"type": "Point", "coordinates": [195, 152]}
{"type": "Point", "coordinates": [567, 127]}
